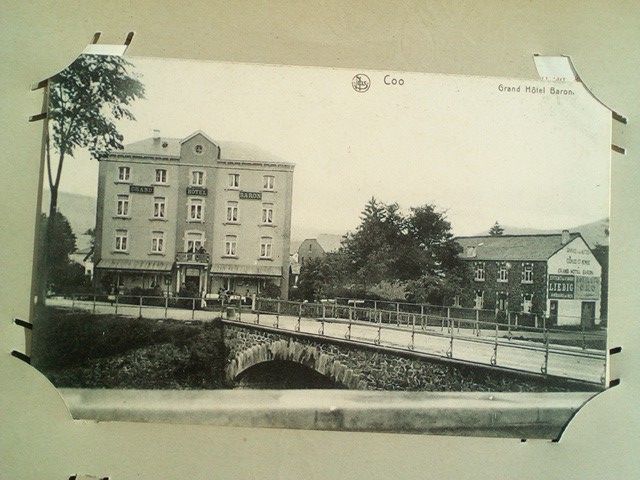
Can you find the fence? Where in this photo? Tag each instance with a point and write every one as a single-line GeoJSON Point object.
{"type": "Point", "coordinates": [478, 341]}
{"type": "Point", "coordinates": [517, 318]}
{"type": "Point", "coordinates": [414, 331]}
{"type": "Point", "coordinates": [149, 306]}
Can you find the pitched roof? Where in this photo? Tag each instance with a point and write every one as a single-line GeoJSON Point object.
{"type": "Point", "coordinates": [330, 242]}
{"type": "Point", "coordinates": [512, 247]}
{"type": "Point", "coordinates": [170, 147]}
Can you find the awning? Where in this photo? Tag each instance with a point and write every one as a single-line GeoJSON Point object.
{"type": "Point", "coordinates": [134, 265]}
{"type": "Point", "coordinates": [247, 270]}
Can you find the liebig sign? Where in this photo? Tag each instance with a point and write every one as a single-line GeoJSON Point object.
{"type": "Point", "coordinates": [140, 189]}
{"type": "Point", "coordinates": [251, 195]}
{"type": "Point", "coordinates": [200, 191]}
{"type": "Point", "coordinates": [561, 286]}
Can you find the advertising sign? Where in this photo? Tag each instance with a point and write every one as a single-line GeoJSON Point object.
{"type": "Point", "coordinates": [587, 288]}
{"type": "Point", "coordinates": [561, 286]}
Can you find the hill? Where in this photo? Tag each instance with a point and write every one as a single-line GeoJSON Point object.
{"type": "Point", "coordinates": [594, 233]}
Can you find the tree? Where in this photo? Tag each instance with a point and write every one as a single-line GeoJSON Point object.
{"type": "Point", "coordinates": [391, 253]}
{"type": "Point", "coordinates": [496, 230]}
{"type": "Point", "coordinates": [63, 275]}
{"type": "Point", "coordinates": [85, 100]}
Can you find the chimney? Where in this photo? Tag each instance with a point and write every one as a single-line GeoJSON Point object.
{"type": "Point", "coordinates": [565, 237]}
{"type": "Point", "coordinates": [156, 135]}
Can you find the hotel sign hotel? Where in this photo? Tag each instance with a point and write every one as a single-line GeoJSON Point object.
{"type": "Point", "coordinates": [199, 191]}
{"type": "Point", "coordinates": [140, 189]}
{"type": "Point", "coordinates": [250, 195]}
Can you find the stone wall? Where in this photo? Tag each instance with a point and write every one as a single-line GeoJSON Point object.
{"type": "Point", "coordinates": [367, 368]}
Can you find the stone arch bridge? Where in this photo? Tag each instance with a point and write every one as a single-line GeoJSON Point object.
{"type": "Point", "coordinates": [355, 365]}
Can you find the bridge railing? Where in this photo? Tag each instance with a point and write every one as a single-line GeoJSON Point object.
{"type": "Point", "coordinates": [518, 318]}
{"type": "Point", "coordinates": [155, 306]}
{"type": "Point", "coordinates": [411, 331]}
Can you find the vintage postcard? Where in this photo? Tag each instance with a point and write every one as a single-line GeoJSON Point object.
{"type": "Point", "coordinates": [223, 226]}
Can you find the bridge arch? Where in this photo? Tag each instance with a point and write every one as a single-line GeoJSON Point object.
{"type": "Point", "coordinates": [292, 351]}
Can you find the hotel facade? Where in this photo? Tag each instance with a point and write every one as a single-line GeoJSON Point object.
{"type": "Point", "coordinates": [552, 275]}
{"type": "Point", "coordinates": [189, 216]}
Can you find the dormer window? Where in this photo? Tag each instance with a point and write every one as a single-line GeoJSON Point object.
{"type": "Point", "coordinates": [471, 252]}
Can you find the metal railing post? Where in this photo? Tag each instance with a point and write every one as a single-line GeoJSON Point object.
{"type": "Point", "coordinates": [477, 323]}
{"type": "Point", "coordinates": [494, 357]}
{"type": "Point", "coordinates": [140, 307]}
{"type": "Point", "coordinates": [584, 339]}
{"type": "Point", "coordinates": [449, 352]}
{"type": "Point", "coordinates": [299, 317]}
{"type": "Point", "coordinates": [240, 309]}
{"type": "Point", "coordinates": [324, 311]}
{"type": "Point", "coordinates": [166, 305]}
{"type": "Point", "coordinates": [193, 308]}
{"type": "Point", "coordinates": [412, 345]}
{"type": "Point", "coordinates": [117, 299]}
{"type": "Point", "coordinates": [509, 326]}
{"type": "Point", "coordinates": [545, 366]}
{"type": "Point", "coordinates": [535, 320]}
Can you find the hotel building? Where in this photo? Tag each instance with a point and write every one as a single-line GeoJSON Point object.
{"type": "Point", "coordinates": [193, 216]}
{"type": "Point", "coordinates": [551, 275]}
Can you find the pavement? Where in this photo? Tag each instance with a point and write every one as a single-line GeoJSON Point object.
{"type": "Point", "coordinates": [528, 356]}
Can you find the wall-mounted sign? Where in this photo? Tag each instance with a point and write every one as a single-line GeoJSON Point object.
{"type": "Point", "coordinates": [561, 286]}
{"type": "Point", "coordinates": [140, 189]}
{"type": "Point", "coordinates": [587, 288]}
{"type": "Point", "coordinates": [199, 191]}
{"type": "Point", "coordinates": [250, 195]}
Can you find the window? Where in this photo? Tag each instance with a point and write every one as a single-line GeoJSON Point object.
{"type": "Point", "coordinates": [267, 213]}
{"type": "Point", "coordinates": [124, 174]}
{"type": "Point", "coordinates": [502, 301]}
{"type": "Point", "coordinates": [266, 244]}
{"type": "Point", "coordinates": [268, 182]}
{"type": "Point", "coordinates": [230, 245]}
{"type": "Point", "coordinates": [197, 178]}
{"type": "Point", "coordinates": [479, 300]}
{"type": "Point", "coordinates": [195, 210]}
{"type": "Point", "coordinates": [456, 301]}
{"type": "Point", "coordinates": [157, 242]}
{"type": "Point", "coordinates": [122, 240]}
{"type": "Point", "coordinates": [161, 175]}
{"type": "Point", "coordinates": [479, 271]}
{"type": "Point", "coordinates": [194, 240]}
{"type": "Point", "coordinates": [234, 180]}
{"type": "Point", "coordinates": [159, 204]}
{"type": "Point", "coordinates": [122, 208]}
{"type": "Point", "coordinates": [503, 272]}
{"type": "Point", "coordinates": [527, 273]}
{"type": "Point", "coordinates": [232, 212]}
{"type": "Point", "coordinates": [527, 302]}
{"type": "Point", "coordinates": [198, 149]}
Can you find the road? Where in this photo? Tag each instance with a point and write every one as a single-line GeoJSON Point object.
{"type": "Point", "coordinates": [563, 361]}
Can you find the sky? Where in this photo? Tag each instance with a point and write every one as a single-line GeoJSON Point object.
{"type": "Point", "coordinates": [475, 149]}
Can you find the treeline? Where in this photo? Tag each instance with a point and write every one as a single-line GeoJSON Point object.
{"type": "Point", "coordinates": [57, 241]}
{"type": "Point", "coordinates": [391, 255]}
